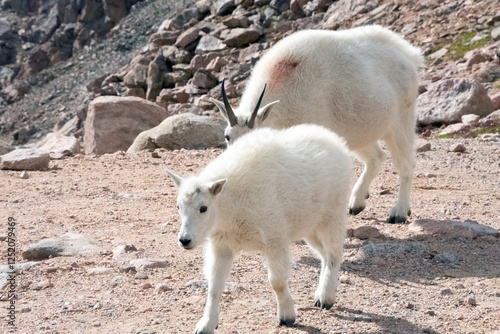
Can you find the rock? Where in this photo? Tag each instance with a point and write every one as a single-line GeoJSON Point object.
{"type": "Point", "coordinates": [469, 228]}
{"type": "Point", "coordinates": [68, 244]}
{"type": "Point", "coordinates": [64, 145]}
{"type": "Point", "coordinates": [204, 79]}
{"type": "Point", "coordinates": [470, 119]}
{"type": "Point", "coordinates": [423, 146]}
{"type": "Point", "coordinates": [136, 76]}
{"type": "Point", "coordinates": [180, 20]}
{"type": "Point", "coordinates": [160, 288]}
{"type": "Point", "coordinates": [115, 9]}
{"type": "Point", "coordinates": [122, 250]}
{"type": "Point", "coordinates": [455, 129]}
{"type": "Point", "coordinates": [149, 263]}
{"type": "Point", "coordinates": [344, 279]}
{"type": "Point", "coordinates": [344, 10]}
{"type": "Point", "coordinates": [388, 250]}
{"type": "Point", "coordinates": [216, 64]}
{"type": "Point", "coordinates": [476, 58]}
{"type": "Point", "coordinates": [495, 100]}
{"type": "Point", "coordinates": [99, 271]}
{"type": "Point", "coordinates": [280, 5]}
{"type": "Point", "coordinates": [164, 38]}
{"type": "Point", "coordinates": [141, 275]}
{"type": "Point", "coordinates": [113, 122]}
{"type": "Point", "coordinates": [446, 257]}
{"type": "Point", "coordinates": [445, 292]}
{"type": "Point", "coordinates": [448, 100]}
{"type": "Point", "coordinates": [236, 22]}
{"type": "Point", "coordinates": [24, 175]}
{"type": "Point", "coordinates": [175, 55]}
{"type": "Point", "coordinates": [495, 34]}
{"type": "Point", "coordinates": [187, 131]}
{"type": "Point", "coordinates": [471, 301]}
{"type": "Point", "coordinates": [458, 148]}
{"type": "Point", "coordinates": [209, 44]}
{"type": "Point", "coordinates": [492, 119]}
{"type": "Point", "coordinates": [25, 159]}
{"type": "Point", "coordinates": [194, 300]}
{"type": "Point", "coordinates": [5, 148]}
{"type": "Point", "coordinates": [189, 36]}
{"type": "Point", "coordinates": [366, 232]}
{"type": "Point", "coordinates": [438, 55]}
{"type": "Point", "coordinates": [239, 37]}
{"type": "Point", "coordinates": [36, 62]}
{"type": "Point", "coordinates": [223, 7]}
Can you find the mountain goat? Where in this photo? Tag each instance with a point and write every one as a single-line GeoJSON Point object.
{"type": "Point", "coordinates": [270, 188]}
{"type": "Point", "coordinates": [360, 83]}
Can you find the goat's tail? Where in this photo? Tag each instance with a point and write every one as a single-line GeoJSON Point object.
{"type": "Point", "coordinates": [392, 39]}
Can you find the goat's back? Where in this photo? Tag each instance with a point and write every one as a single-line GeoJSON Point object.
{"type": "Point", "coordinates": [294, 173]}
{"type": "Point", "coordinates": [355, 82]}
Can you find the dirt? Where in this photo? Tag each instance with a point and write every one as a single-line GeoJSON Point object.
{"type": "Point", "coordinates": [127, 199]}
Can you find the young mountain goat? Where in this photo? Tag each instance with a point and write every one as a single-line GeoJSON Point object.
{"type": "Point", "coordinates": [268, 189]}
{"type": "Point", "coordinates": [360, 83]}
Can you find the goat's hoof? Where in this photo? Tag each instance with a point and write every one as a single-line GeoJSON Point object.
{"type": "Point", "coordinates": [325, 306]}
{"type": "Point", "coordinates": [287, 322]}
{"type": "Point", "coordinates": [355, 211]}
{"type": "Point", "coordinates": [396, 220]}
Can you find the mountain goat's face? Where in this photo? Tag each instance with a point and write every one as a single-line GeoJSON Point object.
{"type": "Point", "coordinates": [238, 126]}
{"type": "Point", "coordinates": [195, 203]}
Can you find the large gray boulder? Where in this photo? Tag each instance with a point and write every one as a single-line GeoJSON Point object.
{"type": "Point", "coordinates": [25, 159]}
{"type": "Point", "coordinates": [448, 100]}
{"type": "Point", "coordinates": [113, 122]}
{"type": "Point", "coordinates": [187, 131]}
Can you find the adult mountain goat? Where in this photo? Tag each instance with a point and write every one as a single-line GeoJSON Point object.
{"type": "Point", "coordinates": [270, 188]}
{"type": "Point", "coordinates": [360, 83]}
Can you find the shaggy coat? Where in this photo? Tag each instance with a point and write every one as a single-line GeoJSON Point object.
{"type": "Point", "coordinates": [268, 189]}
{"type": "Point", "coordinates": [360, 83]}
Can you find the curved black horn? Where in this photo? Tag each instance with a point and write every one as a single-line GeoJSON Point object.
{"type": "Point", "coordinates": [251, 121]}
{"type": "Point", "coordinates": [229, 111]}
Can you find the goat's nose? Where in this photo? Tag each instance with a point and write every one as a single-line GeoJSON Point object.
{"type": "Point", "coordinates": [185, 242]}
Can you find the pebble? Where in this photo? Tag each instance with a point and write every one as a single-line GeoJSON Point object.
{"type": "Point", "coordinates": [430, 312]}
{"type": "Point", "coordinates": [471, 301]}
{"type": "Point", "coordinates": [458, 148]}
{"type": "Point", "coordinates": [366, 232]}
{"type": "Point", "coordinates": [141, 275]}
{"type": "Point", "coordinates": [424, 147]}
{"type": "Point", "coordinates": [344, 279]}
{"type": "Point", "coordinates": [161, 288]}
{"type": "Point", "coordinates": [24, 175]}
{"type": "Point", "coordinates": [459, 286]}
{"type": "Point", "coordinates": [97, 306]}
{"type": "Point", "coordinates": [445, 292]}
{"type": "Point", "coordinates": [147, 286]}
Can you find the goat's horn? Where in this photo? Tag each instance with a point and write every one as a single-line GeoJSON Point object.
{"type": "Point", "coordinates": [251, 121]}
{"type": "Point", "coordinates": [229, 111]}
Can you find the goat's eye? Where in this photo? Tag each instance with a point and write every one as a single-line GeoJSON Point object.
{"type": "Point", "coordinates": [203, 209]}
{"type": "Point", "coordinates": [227, 138]}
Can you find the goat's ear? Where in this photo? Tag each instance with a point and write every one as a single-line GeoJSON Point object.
{"type": "Point", "coordinates": [264, 111]}
{"type": "Point", "coordinates": [221, 107]}
{"type": "Point", "coordinates": [216, 187]}
{"type": "Point", "coordinates": [176, 178]}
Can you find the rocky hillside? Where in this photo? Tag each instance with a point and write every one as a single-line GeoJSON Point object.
{"type": "Point", "coordinates": [56, 56]}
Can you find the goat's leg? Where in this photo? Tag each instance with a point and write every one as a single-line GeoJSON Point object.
{"type": "Point", "coordinates": [403, 156]}
{"type": "Point", "coordinates": [278, 262]}
{"type": "Point", "coordinates": [217, 268]}
{"type": "Point", "coordinates": [373, 156]}
{"type": "Point", "coordinates": [329, 243]}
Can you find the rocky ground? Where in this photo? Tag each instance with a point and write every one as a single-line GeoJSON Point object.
{"type": "Point", "coordinates": [409, 282]}
{"type": "Point", "coordinates": [125, 273]}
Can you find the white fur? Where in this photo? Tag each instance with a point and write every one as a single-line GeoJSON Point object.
{"type": "Point", "coordinates": [270, 188]}
{"type": "Point", "coordinates": [360, 83]}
